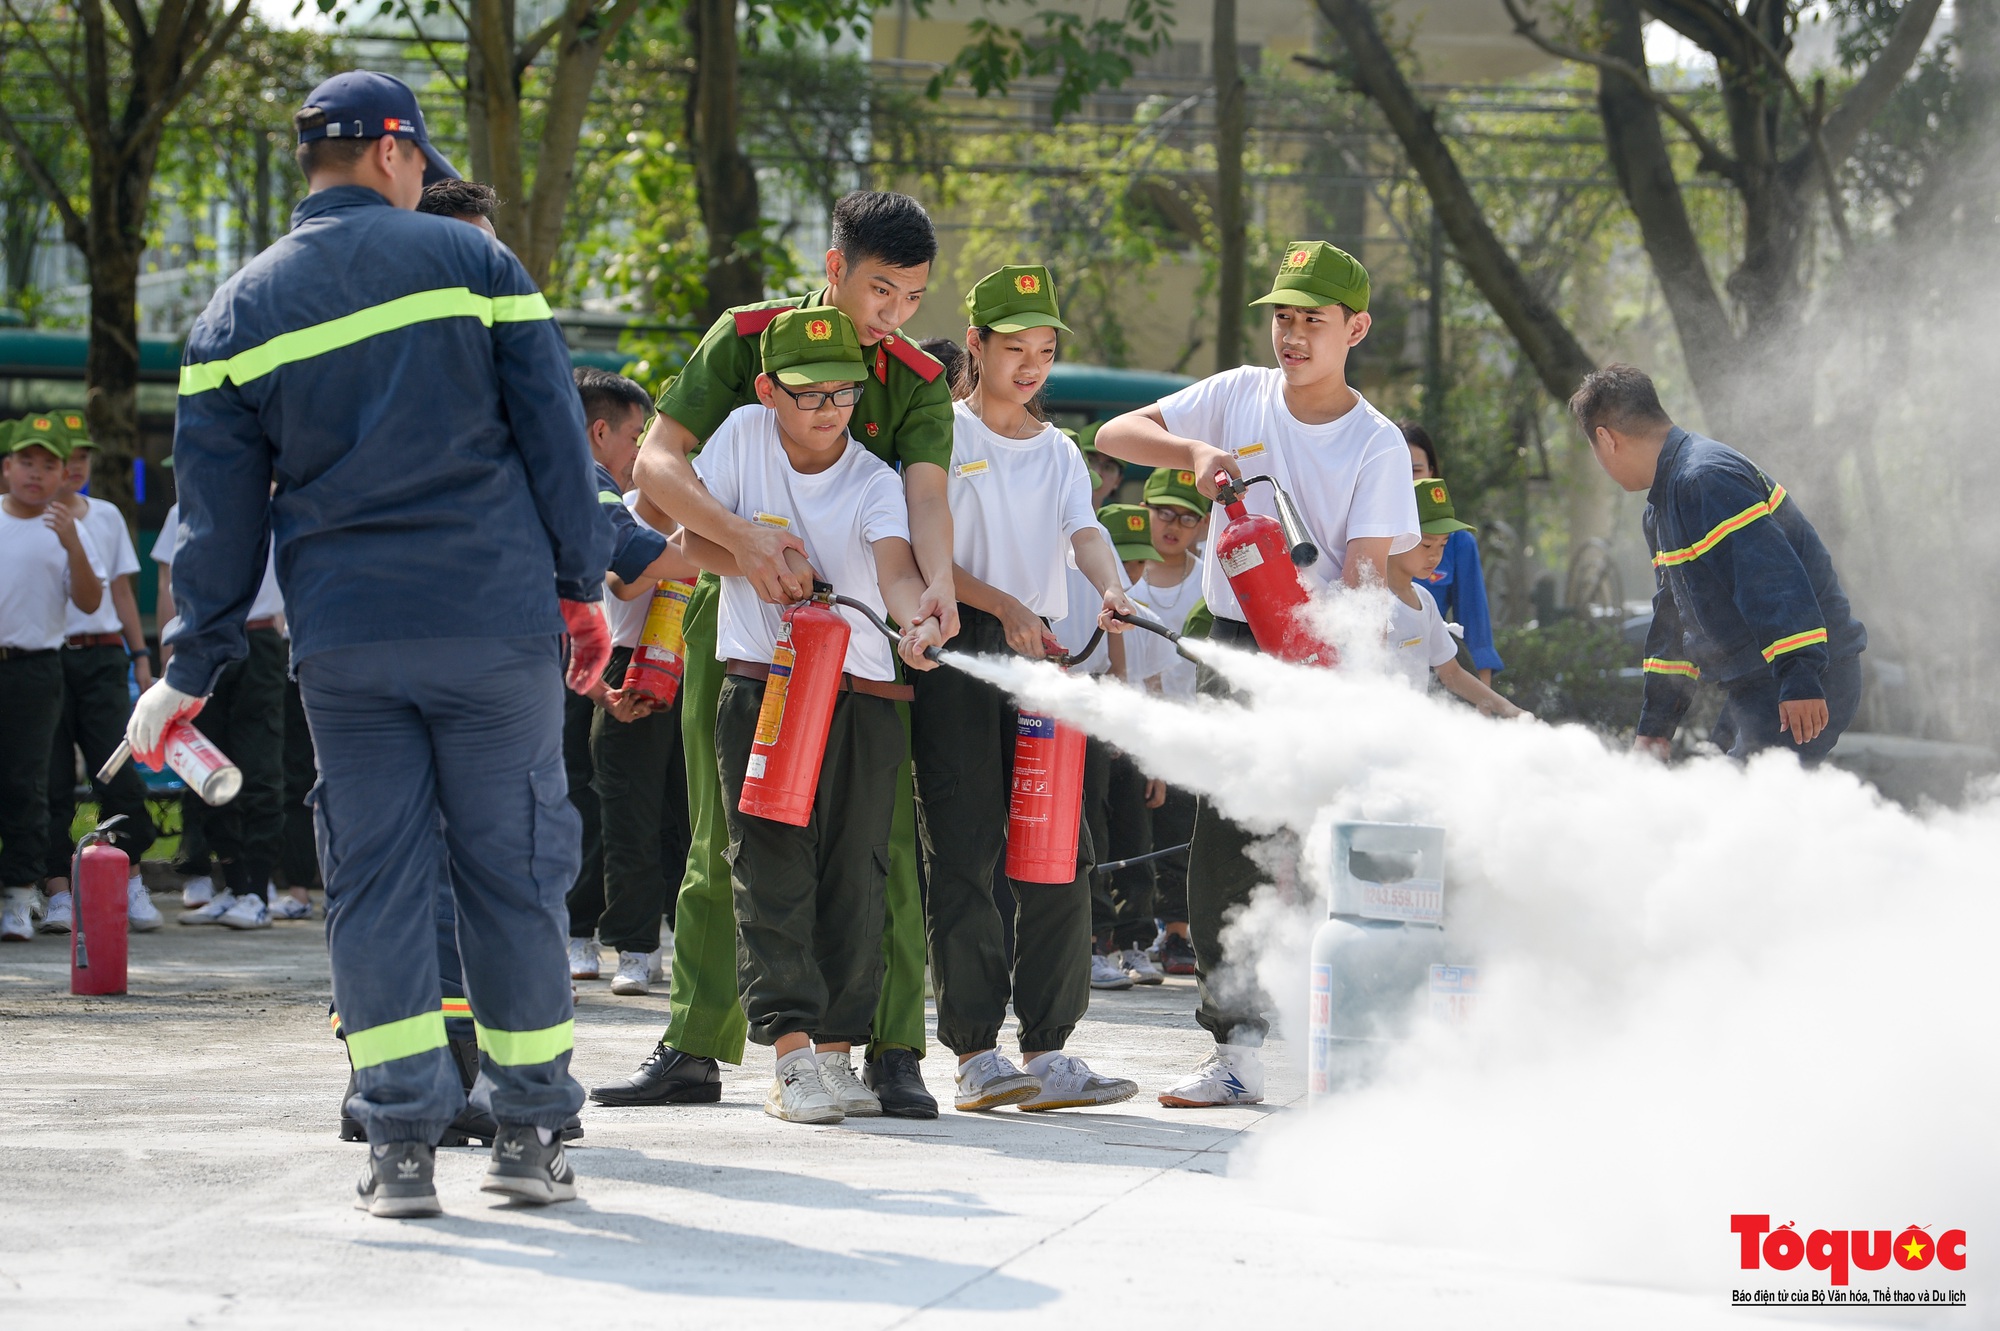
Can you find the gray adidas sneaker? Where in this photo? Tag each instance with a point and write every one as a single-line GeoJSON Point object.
{"type": "Point", "coordinates": [528, 1171]}
{"type": "Point", "coordinates": [399, 1183]}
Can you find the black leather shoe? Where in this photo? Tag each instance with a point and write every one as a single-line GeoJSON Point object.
{"type": "Point", "coordinates": [897, 1079]}
{"type": "Point", "coordinates": [471, 1127]}
{"type": "Point", "coordinates": [667, 1077]}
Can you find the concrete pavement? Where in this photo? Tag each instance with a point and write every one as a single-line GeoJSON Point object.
{"type": "Point", "coordinates": [171, 1160]}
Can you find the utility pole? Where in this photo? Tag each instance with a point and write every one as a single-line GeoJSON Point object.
{"type": "Point", "coordinates": [1231, 234]}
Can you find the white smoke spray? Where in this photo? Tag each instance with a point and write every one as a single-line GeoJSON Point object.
{"type": "Point", "coordinates": [1707, 989]}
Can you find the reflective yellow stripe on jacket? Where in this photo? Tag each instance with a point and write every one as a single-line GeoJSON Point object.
{"type": "Point", "coordinates": [1668, 558]}
{"type": "Point", "coordinates": [305, 343]}
{"type": "Point", "coordinates": [1655, 666]}
{"type": "Point", "coordinates": [1793, 643]}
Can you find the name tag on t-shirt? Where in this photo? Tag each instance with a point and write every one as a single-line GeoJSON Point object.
{"type": "Point", "coordinates": [773, 520]}
{"type": "Point", "coordinates": [1417, 641]}
{"type": "Point", "coordinates": [1250, 451]}
{"type": "Point", "coordinates": [966, 470]}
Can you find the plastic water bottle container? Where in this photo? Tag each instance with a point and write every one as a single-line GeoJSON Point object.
{"type": "Point", "coordinates": [198, 762]}
{"type": "Point", "coordinates": [1375, 954]}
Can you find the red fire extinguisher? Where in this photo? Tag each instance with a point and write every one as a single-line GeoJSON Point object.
{"type": "Point", "coordinates": [657, 662]}
{"type": "Point", "coordinates": [97, 940]}
{"type": "Point", "coordinates": [798, 711]}
{"type": "Point", "coordinates": [1261, 557]}
{"type": "Point", "coordinates": [1046, 804]}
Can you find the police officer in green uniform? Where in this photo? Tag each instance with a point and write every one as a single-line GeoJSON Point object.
{"type": "Point", "coordinates": [876, 273]}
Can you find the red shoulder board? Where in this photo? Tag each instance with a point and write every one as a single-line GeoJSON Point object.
{"type": "Point", "coordinates": [927, 366]}
{"type": "Point", "coordinates": [752, 323]}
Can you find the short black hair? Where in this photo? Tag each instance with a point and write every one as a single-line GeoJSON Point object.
{"type": "Point", "coordinates": [607, 396]}
{"type": "Point", "coordinates": [459, 198]}
{"type": "Point", "coordinates": [890, 228]}
{"type": "Point", "coordinates": [1417, 437]}
{"type": "Point", "coordinates": [947, 353]}
{"type": "Point", "coordinates": [1618, 396]}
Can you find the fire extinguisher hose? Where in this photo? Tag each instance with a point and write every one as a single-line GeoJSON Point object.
{"type": "Point", "coordinates": [824, 593]}
{"type": "Point", "coordinates": [1116, 865]}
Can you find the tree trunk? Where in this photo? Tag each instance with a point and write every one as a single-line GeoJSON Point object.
{"type": "Point", "coordinates": [120, 189]}
{"type": "Point", "coordinates": [490, 40]}
{"type": "Point", "coordinates": [579, 52]}
{"type": "Point", "coordinates": [1231, 114]}
{"type": "Point", "coordinates": [1559, 360]}
{"type": "Point", "coordinates": [725, 181]}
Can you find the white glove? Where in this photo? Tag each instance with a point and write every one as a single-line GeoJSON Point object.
{"type": "Point", "coordinates": [157, 707]}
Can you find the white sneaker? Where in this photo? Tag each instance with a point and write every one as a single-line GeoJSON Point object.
{"type": "Point", "coordinates": [37, 903]}
{"type": "Point", "coordinates": [1232, 1075]}
{"type": "Point", "coordinates": [634, 970]}
{"type": "Point", "coordinates": [217, 907]}
{"type": "Point", "coordinates": [798, 1095]}
{"type": "Point", "coordinates": [57, 917]}
{"type": "Point", "coordinates": [656, 961]}
{"type": "Point", "coordinates": [285, 906]}
{"type": "Point", "coordinates": [1068, 1083]}
{"type": "Point", "coordinates": [247, 912]}
{"type": "Point", "coordinates": [836, 1073]}
{"type": "Point", "coordinates": [17, 920]}
{"type": "Point", "coordinates": [583, 962]}
{"type": "Point", "coordinates": [1141, 968]}
{"type": "Point", "coordinates": [989, 1081]}
{"type": "Point", "coordinates": [197, 892]}
{"type": "Point", "coordinates": [140, 912]}
{"type": "Point", "coordinates": [1106, 973]}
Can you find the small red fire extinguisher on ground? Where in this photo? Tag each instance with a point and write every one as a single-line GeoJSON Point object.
{"type": "Point", "coordinates": [97, 940]}
{"type": "Point", "coordinates": [1261, 557]}
{"type": "Point", "coordinates": [657, 662]}
{"type": "Point", "coordinates": [792, 726]}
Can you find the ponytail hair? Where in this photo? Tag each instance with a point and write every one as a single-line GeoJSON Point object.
{"type": "Point", "coordinates": [965, 377]}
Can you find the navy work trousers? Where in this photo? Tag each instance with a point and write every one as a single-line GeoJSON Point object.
{"type": "Point", "coordinates": [1752, 713]}
{"type": "Point", "coordinates": [461, 737]}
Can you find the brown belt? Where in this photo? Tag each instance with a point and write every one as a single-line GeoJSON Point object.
{"type": "Point", "coordinates": [874, 688]}
{"type": "Point", "coordinates": [267, 622]}
{"type": "Point", "coordinates": [94, 640]}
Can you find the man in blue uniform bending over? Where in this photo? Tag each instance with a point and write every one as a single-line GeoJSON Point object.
{"type": "Point", "coordinates": [401, 381]}
{"type": "Point", "coordinates": [1747, 593]}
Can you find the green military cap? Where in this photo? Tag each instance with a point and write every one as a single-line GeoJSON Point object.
{"type": "Point", "coordinates": [1175, 488]}
{"type": "Point", "coordinates": [73, 426]}
{"type": "Point", "coordinates": [1086, 438]}
{"type": "Point", "coordinates": [39, 431]}
{"type": "Point", "coordinates": [1435, 515]}
{"type": "Point", "coordinates": [1314, 274]}
{"type": "Point", "coordinates": [1013, 299]}
{"type": "Point", "coordinates": [1200, 621]}
{"type": "Point", "coordinates": [813, 346]}
{"type": "Point", "coordinates": [1131, 528]}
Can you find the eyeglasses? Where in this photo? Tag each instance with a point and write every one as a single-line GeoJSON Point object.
{"type": "Point", "coordinates": [1174, 516]}
{"type": "Point", "coordinates": [839, 397]}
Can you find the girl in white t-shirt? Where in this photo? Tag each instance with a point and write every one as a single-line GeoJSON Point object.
{"type": "Point", "coordinates": [1019, 494]}
{"type": "Point", "coordinates": [1347, 469]}
{"type": "Point", "coordinates": [1419, 641]}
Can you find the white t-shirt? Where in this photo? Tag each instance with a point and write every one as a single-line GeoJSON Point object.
{"type": "Point", "coordinates": [1418, 640]}
{"type": "Point", "coordinates": [108, 536]}
{"type": "Point", "coordinates": [628, 618]}
{"type": "Point", "coordinates": [1015, 504]}
{"type": "Point", "coordinates": [1350, 478]}
{"type": "Point", "coordinates": [34, 587]}
{"type": "Point", "coordinates": [1170, 605]}
{"type": "Point", "coordinates": [1075, 627]}
{"type": "Point", "coordinates": [270, 603]}
{"type": "Point", "coordinates": [839, 513]}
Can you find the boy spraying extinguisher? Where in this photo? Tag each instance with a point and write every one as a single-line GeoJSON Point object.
{"type": "Point", "coordinates": [809, 898]}
{"type": "Point", "coordinates": [1347, 470]}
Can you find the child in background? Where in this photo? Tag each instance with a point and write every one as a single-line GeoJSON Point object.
{"type": "Point", "coordinates": [809, 900]}
{"type": "Point", "coordinates": [50, 567]}
{"type": "Point", "coordinates": [1019, 495]}
{"type": "Point", "coordinates": [1178, 513]}
{"type": "Point", "coordinates": [1459, 585]}
{"type": "Point", "coordinates": [1419, 642]}
{"type": "Point", "coordinates": [1106, 472]}
{"type": "Point", "coordinates": [100, 651]}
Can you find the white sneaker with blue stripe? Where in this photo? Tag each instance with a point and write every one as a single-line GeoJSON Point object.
{"type": "Point", "coordinates": [1232, 1075]}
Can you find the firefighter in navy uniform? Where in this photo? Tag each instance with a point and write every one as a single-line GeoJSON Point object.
{"type": "Point", "coordinates": [1748, 597]}
{"type": "Point", "coordinates": [436, 526]}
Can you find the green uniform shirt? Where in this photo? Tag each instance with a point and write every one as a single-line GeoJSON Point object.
{"type": "Point", "coordinates": [902, 416]}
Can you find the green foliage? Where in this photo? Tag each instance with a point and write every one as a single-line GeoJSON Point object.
{"type": "Point", "coordinates": [1572, 671]}
{"type": "Point", "coordinates": [1081, 54]}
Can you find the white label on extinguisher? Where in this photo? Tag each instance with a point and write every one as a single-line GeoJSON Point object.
{"type": "Point", "coordinates": [1242, 559]}
{"type": "Point", "coordinates": [757, 764]}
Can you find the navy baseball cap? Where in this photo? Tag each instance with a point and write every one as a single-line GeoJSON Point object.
{"type": "Point", "coordinates": [362, 104]}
